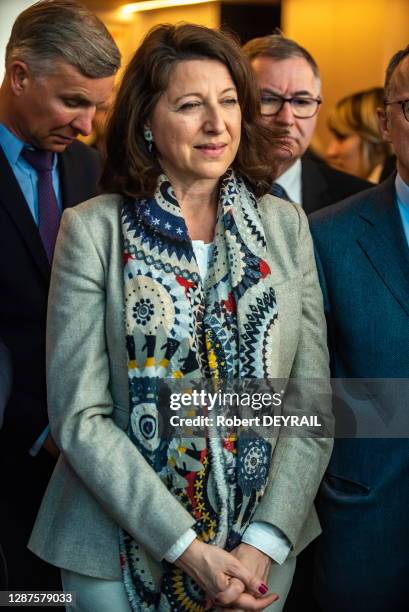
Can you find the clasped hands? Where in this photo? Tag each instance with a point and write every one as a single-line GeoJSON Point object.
{"type": "Point", "coordinates": [236, 580]}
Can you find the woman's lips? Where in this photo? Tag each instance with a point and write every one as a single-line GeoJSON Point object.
{"type": "Point", "coordinates": [211, 149]}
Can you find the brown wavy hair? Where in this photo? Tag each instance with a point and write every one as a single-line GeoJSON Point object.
{"type": "Point", "coordinates": [130, 168]}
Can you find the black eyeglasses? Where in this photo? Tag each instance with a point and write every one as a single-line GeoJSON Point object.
{"type": "Point", "coordinates": [404, 104]}
{"type": "Point", "coordinates": [301, 106]}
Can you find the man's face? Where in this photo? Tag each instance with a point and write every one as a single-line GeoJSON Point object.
{"type": "Point", "coordinates": [50, 111]}
{"type": "Point", "coordinates": [394, 126]}
{"type": "Point", "coordinates": [288, 78]}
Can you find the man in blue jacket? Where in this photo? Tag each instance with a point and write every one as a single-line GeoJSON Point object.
{"type": "Point", "coordinates": [362, 558]}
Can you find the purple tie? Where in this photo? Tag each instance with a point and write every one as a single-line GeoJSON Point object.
{"type": "Point", "coordinates": [48, 211]}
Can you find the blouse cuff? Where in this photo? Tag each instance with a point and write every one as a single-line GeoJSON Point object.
{"type": "Point", "coordinates": [269, 539]}
{"type": "Point", "coordinates": [179, 547]}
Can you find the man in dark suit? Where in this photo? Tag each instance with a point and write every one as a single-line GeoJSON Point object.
{"type": "Point", "coordinates": [5, 379]}
{"type": "Point", "coordinates": [60, 66]}
{"type": "Point", "coordinates": [362, 248]}
{"type": "Point", "coordinates": [5, 387]}
{"type": "Point", "coordinates": [290, 88]}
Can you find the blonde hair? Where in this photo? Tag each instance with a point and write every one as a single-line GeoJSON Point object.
{"type": "Point", "coordinates": [356, 114]}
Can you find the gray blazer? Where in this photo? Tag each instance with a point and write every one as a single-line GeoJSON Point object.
{"type": "Point", "coordinates": [101, 480]}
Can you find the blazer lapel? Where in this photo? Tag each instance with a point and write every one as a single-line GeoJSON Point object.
{"type": "Point", "coordinates": [313, 185]}
{"type": "Point", "coordinates": [382, 239]}
{"type": "Point", "coordinates": [12, 199]}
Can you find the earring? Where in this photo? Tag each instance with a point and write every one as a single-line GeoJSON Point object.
{"type": "Point", "coordinates": [147, 134]}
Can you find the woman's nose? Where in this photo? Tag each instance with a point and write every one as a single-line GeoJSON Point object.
{"type": "Point", "coordinates": [214, 120]}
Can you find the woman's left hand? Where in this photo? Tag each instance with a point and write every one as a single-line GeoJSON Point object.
{"type": "Point", "coordinates": [259, 564]}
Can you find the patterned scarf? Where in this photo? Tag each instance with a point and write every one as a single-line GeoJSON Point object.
{"type": "Point", "coordinates": [178, 325]}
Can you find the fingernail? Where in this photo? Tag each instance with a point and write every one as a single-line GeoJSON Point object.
{"type": "Point", "coordinates": [263, 589]}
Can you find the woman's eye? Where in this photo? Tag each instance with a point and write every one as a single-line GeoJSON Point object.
{"type": "Point", "coordinates": [338, 136]}
{"type": "Point", "coordinates": [189, 105]}
{"type": "Point", "coordinates": [230, 101]}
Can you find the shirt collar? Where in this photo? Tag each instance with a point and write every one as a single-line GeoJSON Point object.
{"type": "Point", "coordinates": [290, 180]}
{"type": "Point", "coordinates": [402, 191]}
{"type": "Point", "coordinates": [11, 145]}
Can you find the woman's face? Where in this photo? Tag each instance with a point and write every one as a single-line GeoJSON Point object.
{"type": "Point", "coordinates": [345, 152]}
{"type": "Point", "coordinates": [196, 123]}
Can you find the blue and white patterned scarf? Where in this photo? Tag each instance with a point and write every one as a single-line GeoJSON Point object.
{"type": "Point", "coordinates": [180, 326]}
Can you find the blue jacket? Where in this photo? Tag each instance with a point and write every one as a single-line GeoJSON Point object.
{"type": "Point", "coordinates": [362, 558]}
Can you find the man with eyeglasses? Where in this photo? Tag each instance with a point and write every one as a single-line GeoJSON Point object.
{"type": "Point", "coordinates": [361, 560]}
{"type": "Point", "coordinates": [290, 88]}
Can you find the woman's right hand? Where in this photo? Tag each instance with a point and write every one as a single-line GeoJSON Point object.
{"type": "Point", "coordinates": [213, 569]}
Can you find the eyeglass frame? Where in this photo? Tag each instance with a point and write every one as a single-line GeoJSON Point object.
{"type": "Point", "coordinates": [401, 102]}
{"type": "Point", "coordinates": [289, 100]}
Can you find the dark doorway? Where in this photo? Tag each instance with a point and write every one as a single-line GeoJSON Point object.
{"type": "Point", "coordinates": [249, 20]}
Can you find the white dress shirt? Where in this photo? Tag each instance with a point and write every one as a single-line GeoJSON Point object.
{"type": "Point", "coordinates": [290, 180]}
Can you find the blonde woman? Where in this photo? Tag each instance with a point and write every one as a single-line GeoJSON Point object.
{"type": "Point", "coordinates": [356, 144]}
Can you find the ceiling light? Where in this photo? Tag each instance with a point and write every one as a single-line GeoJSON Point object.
{"type": "Point", "coordinates": [152, 5]}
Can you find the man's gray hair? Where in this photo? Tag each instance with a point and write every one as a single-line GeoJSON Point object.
{"type": "Point", "coordinates": [53, 30]}
{"type": "Point", "coordinates": [393, 64]}
{"type": "Point", "coordinates": [279, 48]}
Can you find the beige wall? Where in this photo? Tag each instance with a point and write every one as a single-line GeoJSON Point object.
{"type": "Point", "coordinates": [8, 13]}
{"type": "Point", "coordinates": [128, 35]}
{"type": "Point", "coordinates": [352, 41]}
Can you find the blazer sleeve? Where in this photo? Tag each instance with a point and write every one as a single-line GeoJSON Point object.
{"type": "Point", "coordinates": [299, 462]}
{"type": "Point", "coordinates": [80, 403]}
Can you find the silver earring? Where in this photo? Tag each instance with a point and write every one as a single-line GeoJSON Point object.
{"type": "Point", "coordinates": [147, 134]}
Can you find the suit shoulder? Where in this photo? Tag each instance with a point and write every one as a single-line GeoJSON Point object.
{"type": "Point", "coordinates": [347, 182]}
{"type": "Point", "coordinates": [97, 210]}
{"type": "Point", "coordinates": [281, 210]}
{"type": "Point", "coordinates": [323, 186]}
{"type": "Point", "coordinates": [283, 221]}
{"type": "Point", "coordinates": [344, 211]}
{"type": "Point", "coordinates": [339, 185]}
{"type": "Point", "coordinates": [85, 160]}
{"type": "Point", "coordinates": [81, 149]}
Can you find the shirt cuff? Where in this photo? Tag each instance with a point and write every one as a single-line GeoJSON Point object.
{"type": "Point", "coordinates": [179, 547]}
{"type": "Point", "coordinates": [35, 449]}
{"type": "Point", "coordinates": [269, 539]}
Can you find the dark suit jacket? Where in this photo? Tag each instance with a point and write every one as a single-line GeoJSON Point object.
{"type": "Point", "coordinates": [24, 281]}
{"type": "Point", "coordinates": [322, 185]}
{"type": "Point", "coordinates": [5, 379]}
{"type": "Point", "coordinates": [362, 560]}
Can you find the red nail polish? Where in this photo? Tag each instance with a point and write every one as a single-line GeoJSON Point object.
{"type": "Point", "coordinates": [263, 589]}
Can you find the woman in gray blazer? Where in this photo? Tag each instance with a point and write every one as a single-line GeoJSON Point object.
{"type": "Point", "coordinates": [184, 268]}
